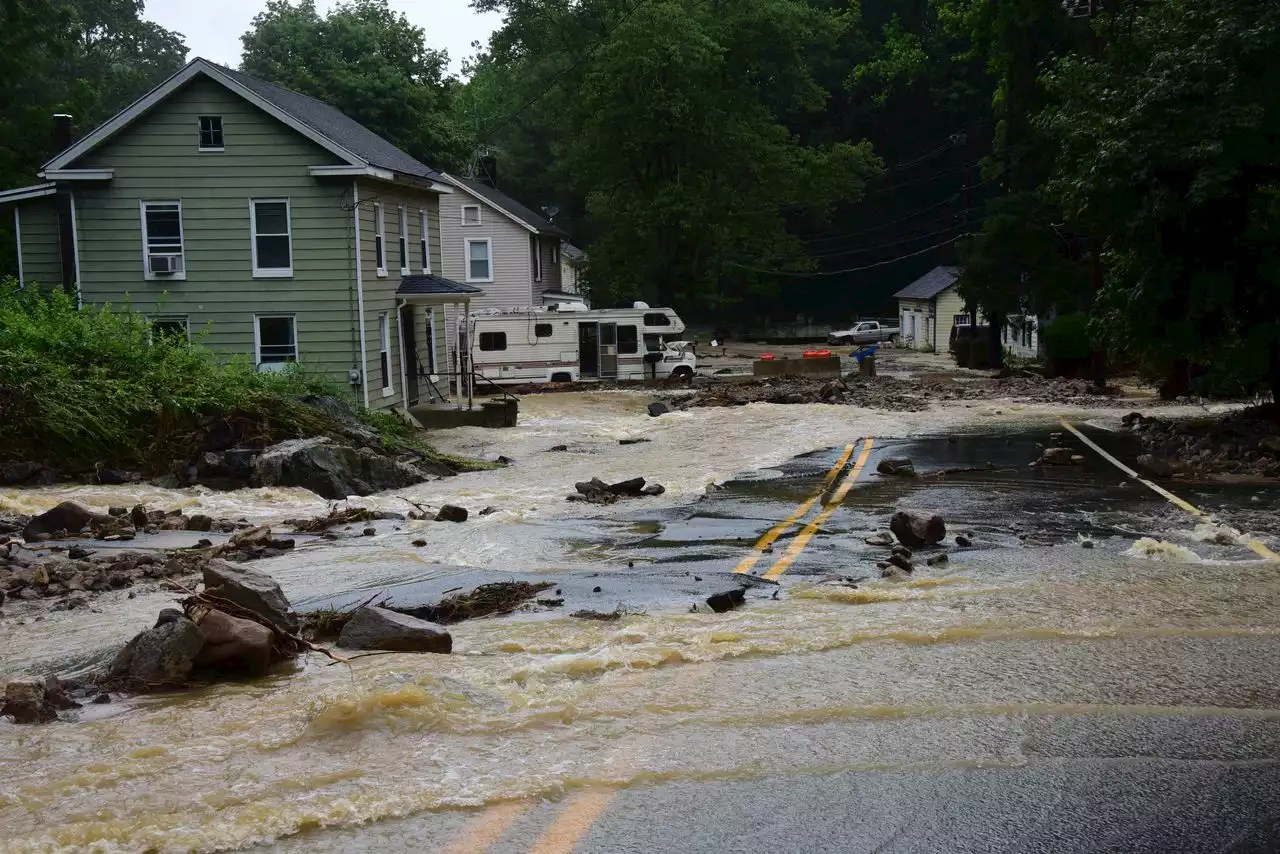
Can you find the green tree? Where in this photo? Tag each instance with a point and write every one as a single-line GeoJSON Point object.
{"type": "Point", "coordinates": [367, 61]}
{"type": "Point", "coordinates": [1170, 147]}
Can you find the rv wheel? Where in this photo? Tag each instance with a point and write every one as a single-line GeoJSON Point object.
{"type": "Point", "coordinates": [684, 372]}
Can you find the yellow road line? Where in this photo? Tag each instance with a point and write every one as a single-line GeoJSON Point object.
{"type": "Point", "coordinates": [802, 539]}
{"type": "Point", "coordinates": [487, 828]}
{"type": "Point", "coordinates": [578, 816]}
{"type": "Point", "coordinates": [1259, 548]}
{"type": "Point", "coordinates": [779, 529]}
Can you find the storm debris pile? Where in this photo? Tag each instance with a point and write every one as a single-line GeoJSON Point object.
{"type": "Point", "coordinates": [1243, 444]}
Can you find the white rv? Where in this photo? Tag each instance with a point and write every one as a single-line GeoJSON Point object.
{"type": "Point", "coordinates": [568, 342]}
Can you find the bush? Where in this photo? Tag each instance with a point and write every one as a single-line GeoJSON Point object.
{"type": "Point", "coordinates": [972, 353]}
{"type": "Point", "coordinates": [1067, 338]}
{"type": "Point", "coordinates": [80, 387]}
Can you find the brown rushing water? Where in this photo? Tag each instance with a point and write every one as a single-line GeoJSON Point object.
{"type": "Point", "coordinates": [889, 675]}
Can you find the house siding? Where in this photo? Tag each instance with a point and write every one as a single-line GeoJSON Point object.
{"type": "Point", "coordinates": [512, 285]}
{"type": "Point", "coordinates": [156, 159]}
{"type": "Point", "coordinates": [380, 291]}
{"type": "Point", "coordinates": [922, 330]}
{"type": "Point", "coordinates": [948, 304]}
{"type": "Point", "coordinates": [40, 245]}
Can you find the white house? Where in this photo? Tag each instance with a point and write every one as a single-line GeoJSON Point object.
{"type": "Point", "coordinates": [929, 307]}
{"type": "Point", "coordinates": [493, 242]}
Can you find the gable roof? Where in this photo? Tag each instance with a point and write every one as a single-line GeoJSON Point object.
{"type": "Point", "coordinates": [572, 253]}
{"type": "Point", "coordinates": [930, 284]}
{"type": "Point", "coordinates": [504, 204]}
{"type": "Point", "coordinates": [325, 125]}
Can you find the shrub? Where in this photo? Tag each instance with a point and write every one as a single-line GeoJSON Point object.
{"type": "Point", "coordinates": [93, 385]}
{"type": "Point", "coordinates": [1068, 338]}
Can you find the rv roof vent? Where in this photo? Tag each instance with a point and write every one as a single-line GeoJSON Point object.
{"type": "Point", "coordinates": [640, 305]}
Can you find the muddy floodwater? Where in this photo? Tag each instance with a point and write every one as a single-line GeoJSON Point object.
{"type": "Point", "coordinates": [1097, 672]}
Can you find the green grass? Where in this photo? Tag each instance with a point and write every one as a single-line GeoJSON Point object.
{"type": "Point", "coordinates": [90, 387]}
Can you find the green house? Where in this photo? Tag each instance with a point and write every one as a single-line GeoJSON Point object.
{"type": "Point", "coordinates": [265, 220]}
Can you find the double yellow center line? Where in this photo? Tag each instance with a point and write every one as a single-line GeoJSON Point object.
{"type": "Point", "coordinates": [806, 534]}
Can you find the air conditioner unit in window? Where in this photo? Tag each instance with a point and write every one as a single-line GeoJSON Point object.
{"type": "Point", "coordinates": [165, 265]}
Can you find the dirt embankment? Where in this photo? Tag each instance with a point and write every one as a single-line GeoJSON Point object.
{"type": "Point", "coordinates": [888, 393]}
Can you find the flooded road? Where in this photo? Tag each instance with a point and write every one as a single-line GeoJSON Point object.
{"type": "Point", "coordinates": [1031, 694]}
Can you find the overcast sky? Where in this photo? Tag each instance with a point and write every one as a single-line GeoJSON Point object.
{"type": "Point", "coordinates": [213, 27]}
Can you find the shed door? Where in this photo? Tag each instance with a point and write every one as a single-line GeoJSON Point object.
{"type": "Point", "coordinates": [608, 350]}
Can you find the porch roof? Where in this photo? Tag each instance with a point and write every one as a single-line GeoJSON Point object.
{"type": "Point", "coordinates": [431, 288]}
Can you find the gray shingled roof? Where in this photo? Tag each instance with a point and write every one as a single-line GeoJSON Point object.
{"type": "Point", "coordinates": [511, 206]}
{"type": "Point", "coordinates": [573, 253]}
{"type": "Point", "coordinates": [336, 125]}
{"type": "Point", "coordinates": [428, 284]}
{"type": "Point", "coordinates": [930, 284]}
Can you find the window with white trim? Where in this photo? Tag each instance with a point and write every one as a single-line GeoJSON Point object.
{"type": "Point", "coordinates": [384, 352]}
{"type": "Point", "coordinates": [379, 240]}
{"type": "Point", "coordinates": [535, 256]}
{"type": "Point", "coordinates": [426, 241]}
{"type": "Point", "coordinates": [491, 341]}
{"type": "Point", "coordinates": [555, 253]}
{"type": "Point", "coordinates": [210, 133]}
{"type": "Point", "coordinates": [470, 214]}
{"type": "Point", "coordinates": [275, 340]}
{"type": "Point", "coordinates": [162, 250]}
{"type": "Point", "coordinates": [404, 242]}
{"type": "Point", "coordinates": [272, 237]}
{"type": "Point", "coordinates": [479, 260]}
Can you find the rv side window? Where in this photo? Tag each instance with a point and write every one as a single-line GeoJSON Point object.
{"type": "Point", "coordinates": [656, 318]}
{"type": "Point", "coordinates": [628, 340]}
{"type": "Point", "coordinates": [542, 330]}
{"type": "Point", "coordinates": [493, 340]}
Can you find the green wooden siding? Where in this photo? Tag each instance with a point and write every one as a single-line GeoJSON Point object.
{"type": "Point", "coordinates": [156, 159]}
{"type": "Point", "coordinates": [380, 291]}
{"type": "Point", "coordinates": [41, 252]}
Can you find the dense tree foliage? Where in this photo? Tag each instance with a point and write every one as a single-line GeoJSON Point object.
{"type": "Point", "coordinates": [89, 58]}
{"type": "Point", "coordinates": [366, 60]}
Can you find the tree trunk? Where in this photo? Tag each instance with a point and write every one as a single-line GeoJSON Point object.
{"type": "Point", "coordinates": [995, 326]}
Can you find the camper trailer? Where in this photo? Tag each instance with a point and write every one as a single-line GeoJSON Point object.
{"type": "Point", "coordinates": [568, 342]}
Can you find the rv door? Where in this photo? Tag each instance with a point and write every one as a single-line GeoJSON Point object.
{"type": "Point", "coordinates": [608, 350]}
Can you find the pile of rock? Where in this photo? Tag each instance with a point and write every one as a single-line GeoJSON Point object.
{"type": "Point", "coordinates": [69, 520]}
{"type": "Point", "coordinates": [77, 573]}
{"type": "Point", "coordinates": [596, 491]}
{"type": "Point", "coordinates": [909, 530]}
{"type": "Point", "coordinates": [1245, 444]}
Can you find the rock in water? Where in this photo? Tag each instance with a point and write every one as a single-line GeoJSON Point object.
{"type": "Point", "coordinates": [1056, 457]}
{"type": "Point", "coordinates": [897, 467]}
{"type": "Point", "coordinates": [199, 522]}
{"type": "Point", "coordinates": [138, 515]}
{"type": "Point", "coordinates": [1154, 466]}
{"type": "Point", "coordinates": [331, 470]}
{"type": "Point", "coordinates": [963, 541]}
{"type": "Point", "coordinates": [160, 657]}
{"type": "Point", "coordinates": [632, 487]}
{"type": "Point", "coordinates": [67, 516]}
{"type": "Point", "coordinates": [452, 513]}
{"type": "Point", "coordinates": [915, 529]}
{"type": "Point", "coordinates": [658, 408]}
{"type": "Point", "coordinates": [881, 539]}
{"type": "Point", "coordinates": [938, 560]}
{"type": "Point", "coordinates": [233, 644]}
{"type": "Point", "coordinates": [726, 601]}
{"type": "Point", "coordinates": [26, 702]}
{"type": "Point", "coordinates": [903, 563]}
{"type": "Point", "coordinates": [377, 628]}
{"type": "Point", "coordinates": [251, 590]}
{"type": "Point", "coordinates": [654, 489]}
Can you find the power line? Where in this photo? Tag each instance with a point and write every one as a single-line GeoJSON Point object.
{"type": "Point", "coordinates": [850, 269]}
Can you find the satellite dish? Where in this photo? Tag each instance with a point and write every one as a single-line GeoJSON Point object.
{"type": "Point", "coordinates": [552, 211]}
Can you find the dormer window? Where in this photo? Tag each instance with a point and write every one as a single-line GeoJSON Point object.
{"type": "Point", "coordinates": [211, 133]}
{"type": "Point", "coordinates": [470, 214]}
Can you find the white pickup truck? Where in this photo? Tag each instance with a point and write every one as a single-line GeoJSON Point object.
{"type": "Point", "coordinates": [866, 332]}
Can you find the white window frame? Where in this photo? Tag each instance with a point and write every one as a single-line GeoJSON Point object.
{"type": "Point", "coordinates": [380, 239]}
{"type": "Point", "coordinates": [475, 208]}
{"type": "Point", "coordinates": [222, 129]}
{"type": "Point", "coordinates": [270, 272]}
{"type": "Point", "coordinates": [424, 224]}
{"type": "Point", "coordinates": [257, 342]}
{"type": "Point", "coordinates": [384, 342]}
{"type": "Point", "coordinates": [466, 255]}
{"type": "Point", "coordinates": [555, 254]}
{"type": "Point", "coordinates": [535, 246]}
{"type": "Point", "coordinates": [146, 249]}
{"type": "Point", "coordinates": [403, 244]}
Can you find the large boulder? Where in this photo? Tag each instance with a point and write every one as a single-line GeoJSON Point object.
{"type": "Point", "coordinates": [67, 516]}
{"type": "Point", "coordinates": [377, 628]}
{"type": "Point", "coordinates": [1154, 466]}
{"type": "Point", "coordinates": [230, 469]}
{"type": "Point", "coordinates": [252, 590]}
{"type": "Point", "coordinates": [161, 657]}
{"type": "Point", "coordinates": [452, 513]}
{"type": "Point", "coordinates": [331, 470]}
{"type": "Point", "coordinates": [27, 702]}
{"type": "Point", "coordinates": [233, 644]}
{"type": "Point", "coordinates": [897, 467]}
{"type": "Point", "coordinates": [916, 529]}
{"type": "Point", "coordinates": [658, 408]}
{"type": "Point", "coordinates": [1056, 457]}
{"type": "Point", "coordinates": [633, 487]}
